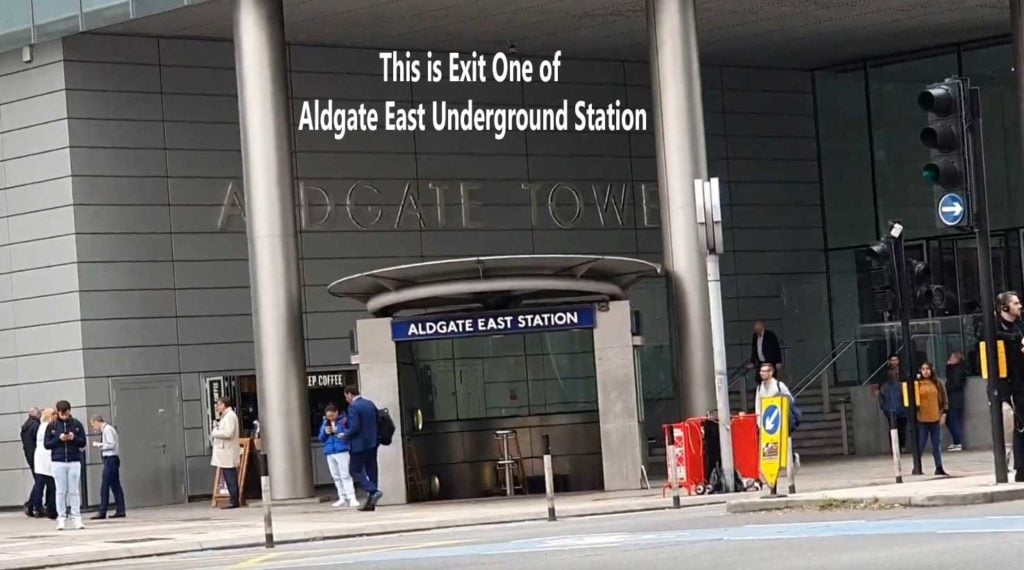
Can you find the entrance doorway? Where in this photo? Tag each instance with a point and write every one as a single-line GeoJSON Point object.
{"type": "Point", "coordinates": [147, 414]}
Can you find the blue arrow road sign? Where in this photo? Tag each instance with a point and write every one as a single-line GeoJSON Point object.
{"type": "Point", "coordinates": [952, 209]}
{"type": "Point", "coordinates": [770, 419]}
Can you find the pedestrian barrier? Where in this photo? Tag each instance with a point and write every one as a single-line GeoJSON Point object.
{"type": "Point", "coordinates": [689, 465]}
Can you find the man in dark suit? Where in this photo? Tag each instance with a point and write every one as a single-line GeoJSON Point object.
{"type": "Point", "coordinates": [764, 348]}
{"type": "Point", "coordinates": [361, 434]}
{"type": "Point", "coordinates": [28, 445]}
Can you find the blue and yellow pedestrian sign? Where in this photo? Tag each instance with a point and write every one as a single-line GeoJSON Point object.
{"type": "Point", "coordinates": [774, 441]}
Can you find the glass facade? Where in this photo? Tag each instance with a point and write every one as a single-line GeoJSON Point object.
{"type": "Point", "coordinates": [24, 22]}
{"type": "Point", "coordinates": [871, 156]}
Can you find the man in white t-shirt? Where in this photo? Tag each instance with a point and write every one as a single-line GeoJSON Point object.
{"type": "Point", "coordinates": [769, 388]}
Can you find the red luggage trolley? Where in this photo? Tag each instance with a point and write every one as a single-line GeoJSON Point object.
{"type": "Point", "coordinates": [688, 439]}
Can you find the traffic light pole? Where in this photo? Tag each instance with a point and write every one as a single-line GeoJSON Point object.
{"type": "Point", "coordinates": [907, 360]}
{"type": "Point", "coordinates": [988, 321]}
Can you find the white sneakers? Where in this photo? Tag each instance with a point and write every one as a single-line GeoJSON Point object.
{"type": "Point", "coordinates": [75, 522]}
{"type": "Point", "coordinates": [346, 503]}
{"type": "Point", "coordinates": [955, 447]}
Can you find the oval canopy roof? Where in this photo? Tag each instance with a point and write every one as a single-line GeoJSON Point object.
{"type": "Point", "coordinates": [496, 282]}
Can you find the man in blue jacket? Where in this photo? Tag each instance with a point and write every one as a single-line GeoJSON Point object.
{"type": "Point", "coordinates": [362, 438]}
{"type": "Point", "coordinates": [65, 438]}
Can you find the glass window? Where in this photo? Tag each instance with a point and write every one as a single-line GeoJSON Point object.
{"type": "Point", "coordinates": [55, 18]}
{"type": "Point", "coordinates": [845, 157]}
{"type": "Point", "coordinates": [967, 261]}
{"type": "Point", "coordinates": [896, 123]}
{"type": "Point", "coordinates": [99, 13]}
{"type": "Point", "coordinates": [15, 24]}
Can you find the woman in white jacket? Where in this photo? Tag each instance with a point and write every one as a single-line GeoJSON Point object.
{"type": "Point", "coordinates": [43, 472]}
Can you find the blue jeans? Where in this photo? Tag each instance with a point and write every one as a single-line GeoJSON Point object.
{"type": "Point", "coordinates": [955, 424]}
{"type": "Point", "coordinates": [363, 466]}
{"type": "Point", "coordinates": [111, 483]}
{"type": "Point", "coordinates": [67, 477]}
{"type": "Point", "coordinates": [932, 431]}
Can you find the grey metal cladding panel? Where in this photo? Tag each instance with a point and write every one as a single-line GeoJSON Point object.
{"type": "Point", "coordinates": [41, 225]}
{"type": "Point", "coordinates": [553, 94]}
{"type": "Point", "coordinates": [642, 145]}
{"type": "Point", "coordinates": [641, 98]}
{"type": "Point", "coordinates": [44, 281]}
{"type": "Point", "coordinates": [317, 299]}
{"type": "Point", "coordinates": [206, 302]}
{"type": "Point", "coordinates": [9, 403]}
{"type": "Point", "coordinates": [202, 136]}
{"type": "Point", "coordinates": [347, 87]}
{"type": "Point", "coordinates": [119, 275]}
{"type": "Point", "coordinates": [583, 70]}
{"type": "Point", "coordinates": [46, 310]}
{"type": "Point", "coordinates": [750, 79]}
{"type": "Point", "coordinates": [638, 73]}
{"type": "Point", "coordinates": [780, 262]}
{"type": "Point", "coordinates": [459, 93]}
{"type": "Point", "coordinates": [768, 125]}
{"type": "Point", "coordinates": [118, 162]}
{"type": "Point", "coordinates": [127, 361]}
{"type": "Point", "coordinates": [112, 105]}
{"type": "Point", "coordinates": [211, 330]}
{"type": "Point", "coordinates": [774, 194]}
{"type": "Point", "coordinates": [38, 167]}
{"type": "Point", "coordinates": [328, 352]}
{"type": "Point", "coordinates": [195, 439]}
{"type": "Point", "coordinates": [355, 165]}
{"type": "Point", "coordinates": [796, 239]}
{"type": "Point", "coordinates": [190, 388]}
{"type": "Point", "coordinates": [778, 217]}
{"type": "Point", "coordinates": [33, 254]}
{"type": "Point", "coordinates": [770, 103]}
{"type": "Point", "coordinates": [197, 219]}
{"type": "Point", "coordinates": [649, 242]}
{"type": "Point", "coordinates": [129, 332]}
{"type": "Point", "coordinates": [155, 247]}
{"type": "Point", "coordinates": [200, 191]}
{"type": "Point", "coordinates": [213, 163]}
{"type": "Point", "coordinates": [198, 81]}
{"type": "Point", "coordinates": [122, 219]}
{"type": "Point", "coordinates": [9, 371]}
{"type": "Point", "coordinates": [489, 192]}
{"type": "Point", "coordinates": [580, 168]}
{"type": "Point", "coordinates": [326, 271]}
{"type": "Point", "coordinates": [433, 142]}
{"type": "Point", "coordinates": [490, 217]}
{"type": "Point", "coordinates": [448, 166]}
{"type": "Point", "coordinates": [605, 241]}
{"type": "Point", "coordinates": [126, 304]}
{"type": "Point", "coordinates": [377, 141]}
{"type": "Point", "coordinates": [578, 143]}
{"type": "Point", "coordinates": [120, 134]}
{"type": "Point", "coordinates": [200, 274]}
{"type": "Point", "coordinates": [46, 393]}
{"type": "Point", "coordinates": [200, 474]}
{"type": "Point", "coordinates": [331, 325]}
{"type": "Point", "coordinates": [772, 147]}
{"type": "Point", "coordinates": [32, 82]}
{"type": "Point", "coordinates": [111, 76]}
{"type": "Point", "coordinates": [758, 285]}
{"type": "Point", "coordinates": [111, 49]}
{"type": "Point", "coordinates": [8, 346]}
{"type": "Point", "coordinates": [767, 308]}
{"type": "Point", "coordinates": [119, 190]}
{"type": "Point", "coordinates": [334, 59]}
{"type": "Point", "coordinates": [773, 170]}
{"type": "Point", "coordinates": [360, 244]}
{"type": "Point", "coordinates": [713, 101]}
{"type": "Point", "coordinates": [34, 140]}
{"type": "Point", "coordinates": [200, 53]}
{"type": "Point", "coordinates": [202, 358]}
{"type": "Point", "coordinates": [198, 108]}
{"type": "Point", "coordinates": [208, 246]}
{"type": "Point", "coordinates": [44, 53]}
{"type": "Point", "coordinates": [471, 242]}
{"type": "Point", "coordinates": [48, 338]}
{"type": "Point", "coordinates": [28, 112]}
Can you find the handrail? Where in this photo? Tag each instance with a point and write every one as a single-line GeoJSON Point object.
{"type": "Point", "coordinates": [823, 366]}
{"type": "Point", "coordinates": [880, 367]}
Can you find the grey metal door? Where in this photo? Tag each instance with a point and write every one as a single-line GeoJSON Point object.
{"type": "Point", "coordinates": [147, 414]}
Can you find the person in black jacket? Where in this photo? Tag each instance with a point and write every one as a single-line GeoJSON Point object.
{"type": "Point", "coordinates": [764, 348]}
{"type": "Point", "coordinates": [956, 385]}
{"type": "Point", "coordinates": [28, 446]}
{"type": "Point", "coordinates": [1011, 392]}
{"type": "Point", "coordinates": [65, 438]}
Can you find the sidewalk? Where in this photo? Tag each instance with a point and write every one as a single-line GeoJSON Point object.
{"type": "Point", "coordinates": [33, 543]}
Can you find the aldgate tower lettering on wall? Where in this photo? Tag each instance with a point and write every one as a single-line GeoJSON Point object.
{"type": "Point", "coordinates": [458, 205]}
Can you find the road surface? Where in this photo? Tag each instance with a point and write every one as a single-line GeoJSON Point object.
{"type": "Point", "coordinates": [699, 537]}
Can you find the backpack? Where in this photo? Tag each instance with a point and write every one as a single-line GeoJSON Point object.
{"type": "Point", "coordinates": [385, 427]}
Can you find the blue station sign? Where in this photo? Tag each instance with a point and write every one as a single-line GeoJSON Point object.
{"type": "Point", "coordinates": [492, 323]}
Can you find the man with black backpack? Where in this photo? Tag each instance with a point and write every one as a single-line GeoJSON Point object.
{"type": "Point", "coordinates": [363, 437]}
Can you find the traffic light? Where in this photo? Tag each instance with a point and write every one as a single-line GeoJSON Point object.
{"type": "Point", "coordinates": [946, 137]}
{"type": "Point", "coordinates": [884, 286]}
{"type": "Point", "coordinates": [927, 295]}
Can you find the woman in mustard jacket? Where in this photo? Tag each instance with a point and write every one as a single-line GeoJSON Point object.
{"type": "Point", "coordinates": [933, 404]}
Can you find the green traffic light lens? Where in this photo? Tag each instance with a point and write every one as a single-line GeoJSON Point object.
{"type": "Point", "coordinates": [931, 173]}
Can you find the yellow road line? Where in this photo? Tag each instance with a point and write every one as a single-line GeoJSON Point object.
{"type": "Point", "coordinates": [252, 562]}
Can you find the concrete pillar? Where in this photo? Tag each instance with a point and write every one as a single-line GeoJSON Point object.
{"type": "Point", "coordinates": [273, 250]}
{"type": "Point", "coordinates": [682, 157]}
{"type": "Point", "coordinates": [378, 382]}
{"type": "Point", "coordinates": [617, 399]}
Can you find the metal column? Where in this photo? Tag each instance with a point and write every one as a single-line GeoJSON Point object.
{"type": "Point", "coordinates": [273, 249]}
{"type": "Point", "coordinates": [682, 158]}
